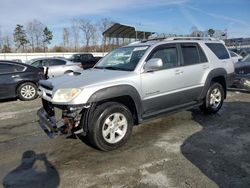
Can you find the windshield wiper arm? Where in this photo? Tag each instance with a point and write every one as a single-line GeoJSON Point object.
{"type": "Point", "coordinates": [98, 67]}
{"type": "Point", "coordinates": [112, 68]}
{"type": "Point", "coordinates": [116, 68]}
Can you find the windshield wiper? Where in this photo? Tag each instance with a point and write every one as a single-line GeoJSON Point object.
{"type": "Point", "coordinates": [98, 67]}
{"type": "Point", "coordinates": [113, 68]}
{"type": "Point", "coordinates": [116, 68]}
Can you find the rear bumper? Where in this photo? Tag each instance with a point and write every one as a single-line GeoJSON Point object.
{"type": "Point", "coordinates": [48, 123]}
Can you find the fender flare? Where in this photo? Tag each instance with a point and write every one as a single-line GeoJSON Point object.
{"type": "Point", "coordinates": [214, 73]}
{"type": "Point", "coordinates": [119, 91]}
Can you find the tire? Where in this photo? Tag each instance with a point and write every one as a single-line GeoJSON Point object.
{"type": "Point", "coordinates": [214, 99]}
{"type": "Point", "coordinates": [27, 91]}
{"type": "Point", "coordinates": [105, 133]}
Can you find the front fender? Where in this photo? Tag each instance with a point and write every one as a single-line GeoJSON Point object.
{"type": "Point", "coordinates": [118, 91]}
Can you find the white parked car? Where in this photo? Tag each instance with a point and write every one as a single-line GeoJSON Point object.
{"type": "Point", "coordinates": [56, 66]}
{"type": "Point", "coordinates": [235, 57]}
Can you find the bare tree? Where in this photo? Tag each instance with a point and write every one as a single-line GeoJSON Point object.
{"type": "Point", "coordinates": [88, 29]}
{"type": "Point", "coordinates": [66, 35]}
{"type": "Point", "coordinates": [75, 34]}
{"type": "Point", "coordinates": [6, 41]}
{"type": "Point", "coordinates": [104, 24]}
{"type": "Point", "coordinates": [1, 39]}
{"type": "Point", "coordinates": [34, 30]}
{"type": "Point", "coordinates": [95, 37]}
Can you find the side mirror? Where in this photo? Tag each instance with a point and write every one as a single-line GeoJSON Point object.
{"type": "Point", "coordinates": [153, 64]}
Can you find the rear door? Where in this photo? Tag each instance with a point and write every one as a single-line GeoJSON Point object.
{"type": "Point", "coordinates": [195, 67]}
{"type": "Point", "coordinates": [10, 75]}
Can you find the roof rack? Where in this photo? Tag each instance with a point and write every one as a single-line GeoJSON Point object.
{"type": "Point", "coordinates": [176, 38]}
{"type": "Point", "coordinates": [191, 38]}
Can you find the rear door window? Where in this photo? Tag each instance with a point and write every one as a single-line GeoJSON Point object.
{"type": "Point", "coordinates": [9, 68]}
{"type": "Point", "coordinates": [219, 50]}
{"type": "Point", "coordinates": [192, 54]}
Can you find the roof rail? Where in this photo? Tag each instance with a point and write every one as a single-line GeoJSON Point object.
{"type": "Point", "coordinates": [176, 38]}
{"type": "Point", "coordinates": [135, 42]}
{"type": "Point", "coordinates": [191, 38]}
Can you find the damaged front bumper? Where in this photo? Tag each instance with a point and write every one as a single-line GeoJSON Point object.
{"type": "Point", "coordinates": [53, 120]}
{"type": "Point", "coordinates": [48, 123]}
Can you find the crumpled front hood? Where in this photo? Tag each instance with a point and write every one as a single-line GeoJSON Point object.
{"type": "Point", "coordinates": [87, 78]}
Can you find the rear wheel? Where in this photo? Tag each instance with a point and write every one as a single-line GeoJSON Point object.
{"type": "Point", "coordinates": [111, 126]}
{"type": "Point", "coordinates": [214, 98]}
{"type": "Point", "coordinates": [27, 91]}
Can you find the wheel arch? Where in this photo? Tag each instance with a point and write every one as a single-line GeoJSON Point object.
{"type": "Point", "coordinates": [124, 94]}
{"type": "Point", "coordinates": [217, 75]}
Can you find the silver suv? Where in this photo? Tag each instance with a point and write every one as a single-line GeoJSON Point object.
{"type": "Point", "coordinates": [133, 84]}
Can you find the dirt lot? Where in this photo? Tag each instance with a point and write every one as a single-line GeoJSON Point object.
{"type": "Point", "coordinates": [187, 149]}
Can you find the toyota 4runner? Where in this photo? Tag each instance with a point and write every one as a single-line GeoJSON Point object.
{"type": "Point", "coordinates": [136, 83]}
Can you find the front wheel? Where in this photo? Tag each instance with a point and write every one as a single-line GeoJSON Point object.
{"type": "Point", "coordinates": [214, 99]}
{"type": "Point", "coordinates": [111, 126]}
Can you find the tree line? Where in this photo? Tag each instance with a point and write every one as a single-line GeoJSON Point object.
{"type": "Point", "coordinates": [82, 35]}
{"type": "Point", "coordinates": [34, 36]}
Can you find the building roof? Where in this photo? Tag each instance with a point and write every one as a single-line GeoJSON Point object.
{"type": "Point", "coordinates": [124, 31]}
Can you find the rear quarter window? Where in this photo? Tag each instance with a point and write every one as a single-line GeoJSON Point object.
{"type": "Point", "coordinates": [219, 50]}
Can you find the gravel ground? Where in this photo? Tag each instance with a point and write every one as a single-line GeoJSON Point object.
{"type": "Point", "coordinates": [186, 149]}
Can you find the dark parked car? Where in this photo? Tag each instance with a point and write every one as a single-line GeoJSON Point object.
{"type": "Point", "coordinates": [19, 80]}
{"type": "Point", "coordinates": [87, 59]}
{"type": "Point", "coordinates": [242, 74]}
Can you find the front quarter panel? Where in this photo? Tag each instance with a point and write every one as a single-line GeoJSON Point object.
{"type": "Point", "coordinates": [112, 88]}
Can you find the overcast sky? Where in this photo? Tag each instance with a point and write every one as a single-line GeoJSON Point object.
{"type": "Point", "coordinates": [163, 16]}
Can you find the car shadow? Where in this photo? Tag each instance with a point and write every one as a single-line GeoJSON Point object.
{"type": "Point", "coordinates": [221, 150]}
{"type": "Point", "coordinates": [34, 171]}
{"type": "Point", "coordinates": [8, 100]}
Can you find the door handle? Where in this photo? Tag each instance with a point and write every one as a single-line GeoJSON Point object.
{"type": "Point", "coordinates": [14, 76]}
{"type": "Point", "coordinates": [178, 72]}
{"type": "Point", "coordinates": [205, 66]}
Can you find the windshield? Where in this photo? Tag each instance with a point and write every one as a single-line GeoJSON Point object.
{"type": "Point", "coordinates": [246, 59]}
{"type": "Point", "coordinates": [125, 58]}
